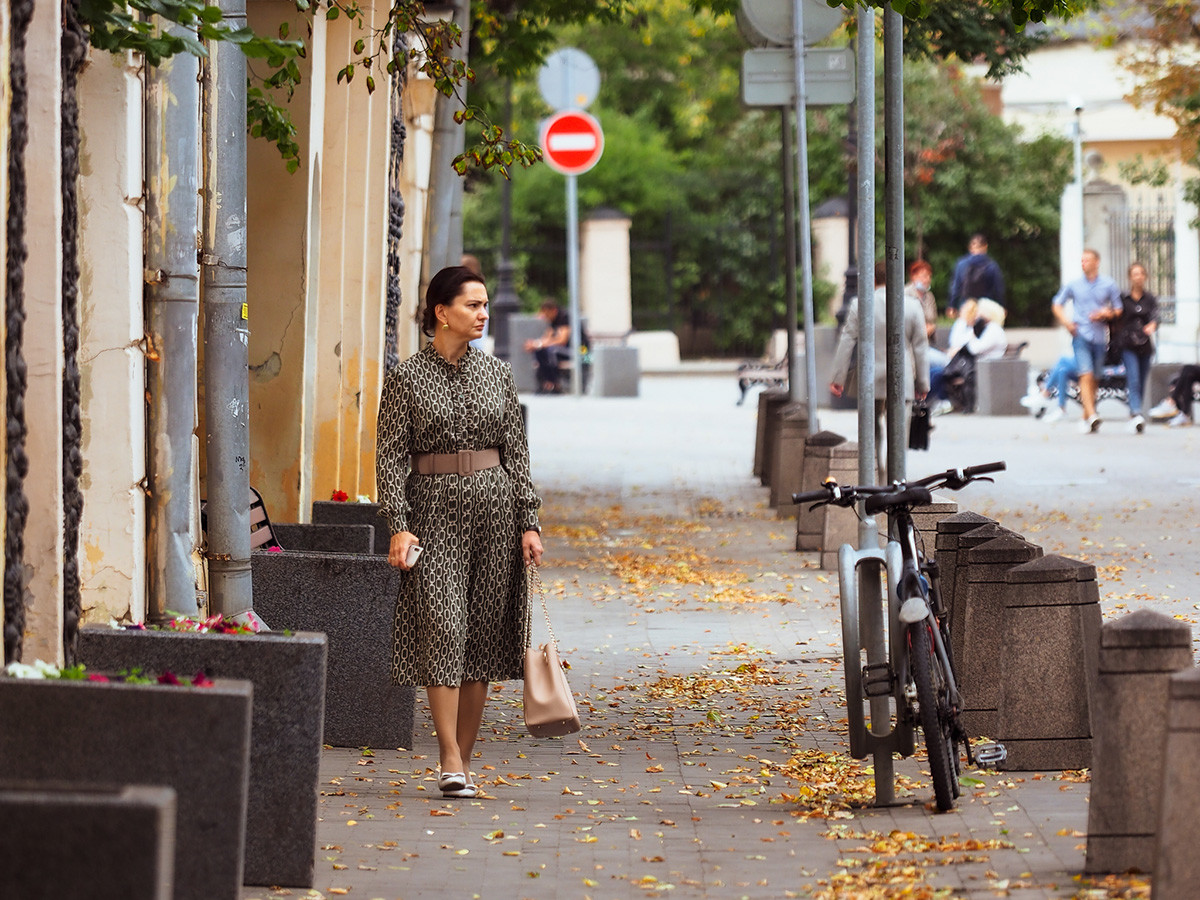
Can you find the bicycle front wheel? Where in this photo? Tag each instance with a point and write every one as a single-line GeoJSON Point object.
{"type": "Point", "coordinates": [936, 725]}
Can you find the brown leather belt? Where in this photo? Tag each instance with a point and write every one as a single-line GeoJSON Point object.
{"type": "Point", "coordinates": [464, 462]}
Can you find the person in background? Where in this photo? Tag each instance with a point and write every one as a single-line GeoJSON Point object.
{"type": "Point", "coordinates": [552, 347]}
{"type": "Point", "coordinates": [1097, 301]}
{"type": "Point", "coordinates": [1134, 334]}
{"type": "Point", "coordinates": [920, 278]}
{"type": "Point", "coordinates": [1177, 407]}
{"type": "Point", "coordinates": [980, 328]}
{"type": "Point", "coordinates": [1054, 393]}
{"type": "Point", "coordinates": [452, 466]}
{"type": "Point", "coordinates": [976, 275]}
{"type": "Point", "coordinates": [916, 362]}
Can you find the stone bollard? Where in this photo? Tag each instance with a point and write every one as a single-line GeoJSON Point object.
{"type": "Point", "coordinates": [1050, 658]}
{"type": "Point", "coordinates": [960, 586]}
{"type": "Point", "coordinates": [787, 457]}
{"type": "Point", "coordinates": [825, 529]}
{"type": "Point", "coordinates": [769, 402]}
{"type": "Point", "coordinates": [1176, 863]}
{"type": "Point", "coordinates": [979, 667]}
{"type": "Point", "coordinates": [946, 551]}
{"type": "Point", "coordinates": [1138, 654]}
{"type": "Point", "coordinates": [926, 519]}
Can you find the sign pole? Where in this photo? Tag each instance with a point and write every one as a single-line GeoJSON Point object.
{"type": "Point", "coordinates": [805, 226]}
{"type": "Point", "coordinates": [573, 282]}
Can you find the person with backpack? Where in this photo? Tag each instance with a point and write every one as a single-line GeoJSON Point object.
{"type": "Point", "coordinates": [976, 276]}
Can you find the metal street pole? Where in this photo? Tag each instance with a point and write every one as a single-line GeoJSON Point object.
{"type": "Point", "coordinates": [789, 255]}
{"type": "Point", "coordinates": [805, 225]}
{"type": "Point", "coordinates": [871, 597]}
{"type": "Point", "coordinates": [893, 129]}
{"type": "Point", "coordinates": [172, 112]}
{"type": "Point", "coordinates": [573, 282]}
{"type": "Point", "coordinates": [505, 302]}
{"type": "Point", "coordinates": [226, 325]}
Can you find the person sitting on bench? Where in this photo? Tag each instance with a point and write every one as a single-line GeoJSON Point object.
{"type": "Point", "coordinates": [553, 347]}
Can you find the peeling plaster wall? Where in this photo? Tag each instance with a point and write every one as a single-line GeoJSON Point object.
{"type": "Point", "coordinates": [112, 364]}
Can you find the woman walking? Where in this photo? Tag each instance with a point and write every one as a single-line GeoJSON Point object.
{"type": "Point", "coordinates": [1133, 332]}
{"type": "Point", "coordinates": [452, 468]}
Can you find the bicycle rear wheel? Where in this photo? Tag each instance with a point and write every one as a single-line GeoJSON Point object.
{"type": "Point", "coordinates": [935, 721]}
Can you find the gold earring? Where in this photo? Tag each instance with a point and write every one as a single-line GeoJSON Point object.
{"type": "Point", "coordinates": [445, 324]}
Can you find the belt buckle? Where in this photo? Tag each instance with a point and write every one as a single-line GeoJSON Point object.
{"type": "Point", "coordinates": [466, 462]}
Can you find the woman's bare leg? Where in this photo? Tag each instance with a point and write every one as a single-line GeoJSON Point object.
{"type": "Point", "coordinates": [444, 703]}
{"type": "Point", "coordinates": [472, 697]}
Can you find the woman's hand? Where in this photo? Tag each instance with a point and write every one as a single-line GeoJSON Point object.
{"type": "Point", "coordinates": [531, 548]}
{"type": "Point", "coordinates": [398, 549]}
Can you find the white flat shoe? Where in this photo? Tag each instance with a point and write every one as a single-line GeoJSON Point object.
{"type": "Point", "coordinates": [456, 784]}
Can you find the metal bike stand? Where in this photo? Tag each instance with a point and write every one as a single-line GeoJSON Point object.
{"type": "Point", "coordinates": [878, 683]}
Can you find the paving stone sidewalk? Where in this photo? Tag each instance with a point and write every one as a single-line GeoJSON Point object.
{"type": "Point", "coordinates": [706, 653]}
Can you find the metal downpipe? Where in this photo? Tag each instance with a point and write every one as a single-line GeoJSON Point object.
{"type": "Point", "coordinates": [172, 295]}
{"type": "Point", "coordinates": [226, 325]}
{"type": "Point", "coordinates": [893, 128]}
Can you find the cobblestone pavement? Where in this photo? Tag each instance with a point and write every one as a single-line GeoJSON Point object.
{"type": "Point", "coordinates": [706, 653]}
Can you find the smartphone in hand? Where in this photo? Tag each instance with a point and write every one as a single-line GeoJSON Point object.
{"type": "Point", "coordinates": [414, 553]}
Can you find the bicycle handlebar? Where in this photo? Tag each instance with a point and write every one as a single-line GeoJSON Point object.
{"type": "Point", "coordinates": [915, 493]}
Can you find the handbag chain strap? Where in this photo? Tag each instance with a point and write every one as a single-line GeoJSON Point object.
{"type": "Point", "coordinates": [535, 585]}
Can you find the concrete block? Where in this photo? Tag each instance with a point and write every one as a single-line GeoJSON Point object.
{"type": "Point", "coordinates": [331, 512]}
{"type": "Point", "coordinates": [62, 840]}
{"type": "Point", "coordinates": [820, 453]}
{"type": "Point", "coordinates": [1050, 664]}
{"type": "Point", "coordinates": [194, 740]}
{"type": "Point", "coordinates": [958, 584]}
{"type": "Point", "coordinates": [352, 599]}
{"type": "Point", "coordinates": [926, 519]}
{"type": "Point", "coordinates": [288, 674]}
{"type": "Point", "coordinates": [787, 457]}
{"type": "Point", "coordinates": [327, 538]}
{"type": "Point", "coordinates": [768, 401]}
{"type": "Point", "coordinates": [946, 551]}
{"type": "Point", "coordinates": [1176, 862]}
{"type": "Point", "coordinates": [1138, 654]}
{"type": "Point", "coordinates": [658, 351]}
{"type": "Point", "coordinates": [615, 371]}
{"type": "Point", "coordinates": [1000, 385]}
{"type": "Point", "coordinates": [981, 628]}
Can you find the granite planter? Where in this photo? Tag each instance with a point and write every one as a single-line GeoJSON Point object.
{"type": "Point", "coordinates": [195, 740]}
{"type": "Point", "coordinates": [288, 674]}
{"type": "Point", "coordinates": [352, 599]}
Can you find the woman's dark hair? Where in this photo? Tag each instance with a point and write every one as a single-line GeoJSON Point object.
{"type": "Point", "coordinates": [443, 289]}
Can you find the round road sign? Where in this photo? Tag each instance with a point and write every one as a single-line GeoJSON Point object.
{"type": "Point", "coordinates": [572, 142]}
{"type": "Point", "coordinates": [569, 79]}
{"type": "Point", "coordinates": [769, 22]}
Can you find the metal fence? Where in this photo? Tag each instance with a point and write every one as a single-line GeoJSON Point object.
{"type": "Point", "coordinates": [1146, 234]}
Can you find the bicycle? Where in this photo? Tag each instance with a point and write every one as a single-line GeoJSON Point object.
{"type": "Point", "coordinates": [920, 673]}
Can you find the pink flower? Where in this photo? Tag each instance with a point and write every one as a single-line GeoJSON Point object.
{"type": "Point", "coordinates": [168, 677]}
{"type": "Point", "coordinates": [96, 676]}
{"type": "Point", "coordinates": [201, 680]}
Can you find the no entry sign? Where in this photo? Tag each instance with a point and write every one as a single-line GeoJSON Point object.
{"type": "Point", "coordinates": [572, 142]}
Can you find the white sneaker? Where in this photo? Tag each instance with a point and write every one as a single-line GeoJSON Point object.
{"type": "Point", "coordinates": [1136, 425]}
{"type": "Point", "coordinates": [942, 407]}
{"type": "Point", "coordinates": [1053, 415]}
{"type": "Point", "coordinates": [1180, 421]}
{"type": "Point", "coordinates": [1090, 425]}
{"type": "Point", "coordinates": [1035, 401]}
{"type": "Point", "coordinates": [1164, 410]}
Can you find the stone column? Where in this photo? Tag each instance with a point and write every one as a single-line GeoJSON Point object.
{"type": "Point", "coordinates": [769, 404]}
{"type": "Point", "coordinates": [1138, 654]}
{"type": "Point", "coordinates": [787, 457]}
{"type": "Point", "coordinates": [1051, 644]}
{"type": "Point", "coordinates": [605, 284]}
{"type": "Point", "coordinates": [1176, 862]}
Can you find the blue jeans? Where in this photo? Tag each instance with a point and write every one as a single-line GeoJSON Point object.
{"type": "Point", "coordinates": [1060, 377]}
{"type": "Point", "coordinates": [1089, 357]}
{"type": "Point", "coordinates": [1137, 375]}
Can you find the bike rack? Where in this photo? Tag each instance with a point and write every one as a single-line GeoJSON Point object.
{"type": "Point", "coordinates": [860, 574]}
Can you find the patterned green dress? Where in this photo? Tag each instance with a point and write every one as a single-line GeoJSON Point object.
{"type": "Point", "coordinates": [463, 611]}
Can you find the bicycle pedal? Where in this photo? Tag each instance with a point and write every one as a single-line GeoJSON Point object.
{"type": "Point", "coordinates": [989, 755]}
{"type": "Point", "coordinates": [878, 680]}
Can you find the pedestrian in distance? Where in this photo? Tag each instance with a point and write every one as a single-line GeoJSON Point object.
{"type": "Point", "coordinates": [976, 275]}
{"type": "Point", "coordinates": [1096, 302]}
{"type": "Point", "coordinates": [553, 347]}
{"type": "Point", "coordinates": [452, 468]}
{"type": "Point", "coordinates": [916, 362]}
{"type": "Point", "coordinates": [1134, 335]}
{"type": "Point", "coordinates": [1177, 407]}
{"type": "Point", "coordinates": [1050, 401]}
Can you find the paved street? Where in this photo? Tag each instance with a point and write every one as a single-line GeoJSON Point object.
{"type": "Point", "coordinates": [706, 653]}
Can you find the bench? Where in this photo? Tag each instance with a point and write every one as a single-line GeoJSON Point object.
{"type": "Point", "coordinates": [752, 373]}
{"type": "Point", "coordinates": [1110, 386]}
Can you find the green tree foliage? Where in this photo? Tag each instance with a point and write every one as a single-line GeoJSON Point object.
{"type": "Point", "coordinates": [690, 165]}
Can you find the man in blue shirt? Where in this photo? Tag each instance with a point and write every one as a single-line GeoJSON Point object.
{"type": "Point", "coordinates": [1096, 302]}
{"type": "Point", "coordinates": [976, 276]}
